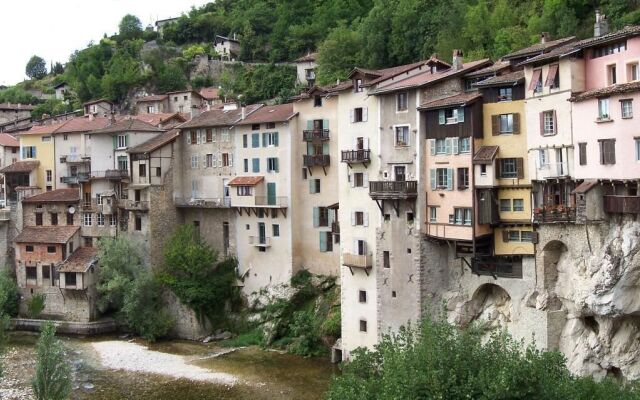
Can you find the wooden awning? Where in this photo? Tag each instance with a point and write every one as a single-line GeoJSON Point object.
{"type": "Point", "coordinates": [246, 180]}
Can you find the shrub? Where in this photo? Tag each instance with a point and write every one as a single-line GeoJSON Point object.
{"type": "Point", "coordinates": [332, 325]}
{"type": "Point", "coordinates": [142, 311]}
{"type": "Point", "coordinates": [35, 305]}
{"type": "Point", "coordinates": [251, 338]}
{"type": "Point", "coordinates": [9, 295]}
{"type": "Point", "coordinates": [305, 332]}
{"type": "Point", "coordinates": [53, 375]}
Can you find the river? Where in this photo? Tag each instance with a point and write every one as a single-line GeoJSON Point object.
{"type": "Point", "coordinates": [216, 372]}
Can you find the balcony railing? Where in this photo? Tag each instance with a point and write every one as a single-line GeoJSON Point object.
{"type": "Point", "coordinates": [622, 204]}
{"type": "Point", "coordinates": [111, 174]}
{"type": "Point", "coordinates": [356, 156]}
{"type": "Point", "coordinates": [554, 213]}
{"type": "Point", "coordinates": [335, 227]}
{"type": "Point", "coordinates": [309, 135]}
{"type": "Point", "coordinates": [393, 189]}
{"type": "Point", "coordinates": [553, 170]}
{"type": "Point", "coordinates": [195, 202]}
{"type": "Point", "coordinates": [317, 160]}
{"type": "Point", "coordinates": [75, 179]}
{"type": "Point", "coordinates": [89, 205]}
{"type": "Point", "coordinates": [134, 205]}
{"type": "Point", "coordinates": [260, 241]}
{"type": "Point", "coordinates": [271, 201]}
{"type": "Point", "coordinates": [76, 158]}
{"type": "Point", "coordinates": [5, 214]}
{"type": "Point", "coordinates": [357, 260]}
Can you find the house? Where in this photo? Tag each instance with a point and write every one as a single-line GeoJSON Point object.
{"type": "Point", "coordinates": [62, 91]}
{"type": "Point", "coordinates": [153, 104]}
{"type": "Point", "coordinates": [228, 48]}
{"type": "Point", "coordinates": [36, 144]}
{"type": "Point", "coordinates": [211, 95]}
{"type": "Point", "coordinates": [185, 102]}
{"type": "Point", "coordinates": [306, 69]}
{"type": "Point", "coordinates": [17, 176]}
{"type": "Point", "coordinates": [100, 107]}
{"type": "Point", "coordinates": [162, 23]}
{"type": "Point", "coordinates": [10, 152]}
{"type": "Point", "coordinates": [11, 113]}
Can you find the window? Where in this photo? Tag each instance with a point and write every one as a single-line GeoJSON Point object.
{"type": "Point", "coordinates": [603, 109]}
{"type": "Point", "coordinates": [46, 138]}
{"type": "Point", "coordinates": [553, 77]}
{"type": "Point", "coordinates": [462, 216]}
{"type": "Point", "coordinates": [275, 230]}
{"type": "Point", "coordinates": [194, 161]}
{"type": "Point", "coordinates": [246, 165]}
{"type": "Point", "coordinates": [548, 122]}
{"type": "Point", "coordinates": [508, 168]}
{"type": "Point", "coordinates": [29, 152]}
{"type": "Point", "coordinates": [363, 325]}
{"type": "Point", "coordinates": [226, 160]}
{"type": "Point", "coordinates": [526, 236]}
{"type": "Point", "coordinates": [51, 249]}
{"type": "Point", "coordinates": [138, 223]}
{"type": "Point", "coordinates": [358, 114]}
{"type": "Point", "coordinates": [320, 216]}
{"type": "Point", "coordinates": [518, 204]}
{"type": "Point", "coordinates": [158, 171]}
{"type": "Point", "coordinates": [46, 271]}
{"type": "Point", "coordinates": [255, 127]}
{"type": "Point", "coordinates": [582, 153]}
{"type": "Point", "coordinates": [272, 164]}
{"type": "Point", "coordinates": [113, 220]}
{"type": "Point", "coordinates": [29, 248]}
{"type": "Point", "coordinates": [483, 169]}
{"type": "Point", "coordinates": [70, 279]}
{"type": "Point", "coordinates": [357, 85]}
{"type": "Point", "coordinates": [245, 141]}
{"type": "Point", "coordinates": [88, 242]}
{"type": "Point", "coordinates": [410, 217]}
{"type": "Point", "coordinates": [433, 214]}
{"type": "Point", "coordinates": [607, 151]}
{"type": "Point", "coordinates": [442, 178]}
{"type": "Point", "coordinates": [54, 218]}
{"type": "Point", "coordinates": [537, 81]}
{"type": "Point", "coordinates": [123, 163]}
{"type": "Point", "coordinates": [627, 108]}
{"type": "Point", "coordinates": [513, 236]}
{"type": "Point", "coordinates": [49, 175]}
{"type": "Point", "coordinates": [402, 135]}
{"type": "Point", "coordinates": [326, 244]}
{"type": "Point", "coordinates": [122, 141]}
{"type": "Point", "coordinates": [255, 164]}
{"type": "Point", "coordinates": [358, 179]}
{"type": "Point", "coordinates": [87, 219]}
{"type": "Point", "coordinates": [386, 259]}
{"type": "Point", "coordinates": [441, 146]}
{"type": "Point", "coordinates": [314, 186]}
{"type": "Point", "coordinates": [271, 125]}
{"type": "Point", "coordinates": [451, 116]}
{"type": "Point", "coordinates": [506, 123]}
{"type": "Point", "coordinates": [402, 101]}
{"type": "Point", "coordinates": [270, 139]}
{"type": "Point", "coordinates": [633, 72]}
{"type": "Point", "coordinates": [244, 190]}
{"type": "Point", "coordinates": [463, 178]}
{"type": "Point", "coordinates": [543, 159]}
{"type": "Point", "coordinates": [38, 219]}
{"type": "Point", "coordinates": [608, 49]}
{"type": "Point", "coordinates": [142, 170]}
{"type": "Point", "coordinates": [505, 205]}
{"type": "Point", "coordinates": [358, 218]}
{"type": "Point", "coordinates": [69, 219]}
{"type": "Point", "coordinates": [505, 94]}
{"type": "Point", "coordinates": [637, 142]}
{"type": "Point", "coordinates": [317, 101]}
{"type": "Point", "coordinates": [65, 137]}
{"type": "Point", "coordinates": [100, 219]}
{"type": "Point", "coordinates": [464, 145]}
{"type": "Point", "coordinates": [32, 273]}
{"type": "Point", "coordinates": [611, 74]}
{"type": "Point", "coordinates": [362, 296]}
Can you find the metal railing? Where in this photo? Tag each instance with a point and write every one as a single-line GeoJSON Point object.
{"type": "Point", "coordinates": [274, 201]}
{"type": "Point", "coordinates": [76, 158]}
{"type": "Point", "coordinates": [353, 156]}
{"type": "Point", "coordinates": [75, 179]}
{"type": "Point", "coordinates": [357, 260]}
{"type": "Point", "coordinates": [309, 135]}
{"type": "Point", "coordinates": [622, 204]}
{"type": "Point", "coordinates": [553, 170]}
{"type": "Point", "coordinates": [393, 188]}
{"type": "Point", "coordinates": [260, 241]}
{"type": "Point", "coordinates": [5, 214]}
{"type": "Point", "coordinates": [317, 160]}
{"type": "Point", "coordinates": [202, 202]}
{"type": "Point", "coordinates": [114, 174]}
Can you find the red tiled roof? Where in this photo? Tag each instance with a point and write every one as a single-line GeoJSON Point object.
{"type": "Point", "coordinates": [455, 100]}
{"type": "Point", "coordinates": [539, 48]}
{"type": "Point", "coordinates": [59, 234]}
{"type": "Point", "coordinates": [157, 97]}
{"type": "Point", "coordinates": [55, 196]}
{"type": "Point", "coordinates": [160, 118]}
{"type": "Point", "coordinates": [585, 186]}
{"type": "Point", "coordinates": [155, 143]}
{"type": "Point", "coordinates": [219, 117]}
{"type": "Point", "coordinates": [80, 261]}
{"type": "Point", "coordinates": [278, 113]}
{"type": "Point", "coordinates": [491, 69]}
{"type": "Point", "coordinates": [16, 106]}
{"type": "Point", "coordinates": [485, 155]}
{"type": "Point", "coordinates": [48, 129]}
{"type": "Point", "coordinates": [21, 166]}
{"type": "Point", "coordinates": [128, 125]}
{"type": "Point", "coordinates": [88, 103]}
{"type": "Point", "coordinates": [511, 78]}
{"type": "Point", "coordinates": [84, 124]}
{"type": "Point", "coordinates": [607, 91]}
{"type": "Point", "coordinates": [8, 140]}
{"type": "Point", "coordinates": [210, 93]}
{"type": "Point", "coordinates": [308, 58]}
{"type": "Point", "coordinates": [246, 180]}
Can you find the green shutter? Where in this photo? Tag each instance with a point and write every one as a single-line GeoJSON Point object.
{"type": "Point", "coordinates": [325, 124]}
{"type": "Point", "coordinates": [441, 119]}
{"type": "Point", "coordinates": [316, 217]}
{"type": "Point", "coordinates": [265, 139]}
{"type": "Point", "coordinates": [309, 125]}
{"type": "Point", "coordinates": [432, 142]}
{"type": "Point", "coordinates": [255, 140]}
{"type": "Point", "coordinates": [310, 149]}
{"type": "Point", "coordinates": [312, 186]}
{"type": "Point", "coordinates": [115, 141]}
{"type": "Point", "coordinates": [323, 242]}
{"type": "Point", "coordinates": [461, 114]}
{"type": "Point", "coordinates": [276, 164]}
{"type": "Point", "coordinates": [447, 146]}
{"type": "Point", "coordinates": [256, 164]}
{"type": "Point", "coordinates": [276, 139]}
{"type": "Point", "coordinates": [433, 179]}
{"type": "Point", "coordinates": [325, 148]}
{"type": "Point", "coordinates": [126, 140]}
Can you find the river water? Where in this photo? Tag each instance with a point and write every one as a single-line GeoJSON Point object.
{"type": "Point", "coordinates": [258, 374]}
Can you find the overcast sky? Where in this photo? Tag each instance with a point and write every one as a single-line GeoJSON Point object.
{"type": "Point", "coordinates": [55, 29]}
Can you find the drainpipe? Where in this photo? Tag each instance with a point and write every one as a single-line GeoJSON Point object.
{"type": "Point", "coordinates": [473, 204]}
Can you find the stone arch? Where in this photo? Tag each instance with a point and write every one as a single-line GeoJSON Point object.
{"type": "Point", "coordinates": [552, 252]}
{"type": "Point", "coordinates": [491, 305]}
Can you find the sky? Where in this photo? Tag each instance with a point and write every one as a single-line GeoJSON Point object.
{"type": "Point", "coordinates": [53, 30]}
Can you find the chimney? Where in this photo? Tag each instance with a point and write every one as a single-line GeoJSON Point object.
{"type": "Point", "coordinates": [457, 60]}
{"type": "Point", "coordinates": [112, 118]}
{"type": "Point", "coordinates": [243, 112]}
{"type": "Point", "coordinates": [544, 37]}
{"type": "Point", "coordinates": [601, 27]}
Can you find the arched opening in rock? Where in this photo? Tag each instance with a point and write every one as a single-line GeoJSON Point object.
{"type": "Point", "coordinates": [552, 252]}
{"type": "Point", "coordinates": [591, 324]}
{"type": "Point", "coordinates": [490, 305]}
{"type": "Point", "coordinates": [615, 373]}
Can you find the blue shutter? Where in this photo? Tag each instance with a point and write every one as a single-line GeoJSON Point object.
{"type": "Point", "coordinates": [256, 164]}
{"type": "Point", "coordinates": [325, 124]}
{"type": "Point", "coordinates": [323, 241]}
{"type": "Point", "coordinates": [447, 146]}
{"type": "Point", "coordinates": [310, 149]}
{"type": "Point", "coordinates": [325, 148]}
{"type": "Point", "coordinates": [309, 125]}
{"type": "Point", "coordinates": [115, 141]}
{"type": "Point", "coordinates": [312, 186]}
{"type": "Point", "coordinates": [245, 141]}
{"type": "Point", "coordinates": [265, 139]}
{"type": "Point", "coordinates": [316, 217]}
{"type": "Point", "coordinates": [255, 140]}
{"type": "Point", "coordinates": [276, 164]}
{"type": "Point", "coordinates": [441, 119]}
{"type": "Point", "coordinates": [276, 139]}
{"type": "Point", "coordinates": [432, 143]}
{"type": "Point", "coordinates": [449, 178]}
{"type": "Point", "coordinates": [461, 114]}
{"type": "Point", "coordinates": [433, 179]}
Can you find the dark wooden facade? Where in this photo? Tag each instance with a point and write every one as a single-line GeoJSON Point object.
{"type": "Point", "coordinates": [492, 94]}
{"type": "Point", "coordinates": [472, 125]}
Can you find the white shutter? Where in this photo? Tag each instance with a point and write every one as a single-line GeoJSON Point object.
{"type": "Point", "coordinates": [351, 113]}
{"type": "Point", "coordinates": [231, 159]}
{"type": "Point", "coordinates": [355, 246]}
{"type": "Point", "coordinates": [432, 172]}
{"type": "Point", "coordinates": [365, 179]}
{"type": "Point", "coordinates": [219, 160]}
{"type": "Point", "coordinates": [366, 143]}
{"type": "Point", "coordinates": [454, 146]}
{"type": "Point", "coordinates": [204, 161]}
{"type": "Point", "coordinates": [432, 143]}
{"type": "Point", "coordinates": [450, 178]}
{"type": "Point", "coordinates": [353, 218]}
{"type": "Point", "coordinates": [365, 218]}
{"type": "Point", "coordinates": [352, 180]}
{"type": "Point", "coordinates": [188, 137]}
{"type": "Point", "coordinates": [447, 145]}
{"type": "Point", "coordinates": [365, 114]}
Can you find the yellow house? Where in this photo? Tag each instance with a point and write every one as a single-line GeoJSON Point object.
{"type": "Point", "coordinates": [37, 144]}
{"type": "Point", "coordinates": [501, 165]}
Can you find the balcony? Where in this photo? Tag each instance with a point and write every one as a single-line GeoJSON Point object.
{"type": "Point", "coordinates": [271, 201]}
{"type": "Point", "coordinates": [90, 205]}
{"type": "Point", "coordinates": [310, 135]}
{"type": "Point", "coordinates": [335, 227]}
{"type": "Point", "coordinates": [622, 204]}
{"type": "Point", "coordinates": [356, 156]}
{"type": "Point", "coordinates": [317, 160]}
{"type": "Point", "coordinates": [393, 190]}
{"type": "Point", "coordinates": [554, 213]}
{"type": "Point", "coordinates": [110, 174]}
{"type": "Point", "coordinates": [553, 170]}
{"type": "Point", "coordinates": [76, 159]}
{"type": "Point", "coordinates": [5, 214]}
{"type": "Point", "coordinates": [195, 202]}
{"type": "Point", "coordinates": [75, 179]}
{"type": "Point", "coordinates": [260, 241]}
{"type": "Point", "coordinates": [363, 261]}
{"type": "Point", "coordinates": [133, 205]}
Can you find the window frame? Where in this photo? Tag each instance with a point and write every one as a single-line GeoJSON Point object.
{"type": "Point", "coordinates": [549, 123]}
{"type": "Point", "coordinates": [509, 174]}
{"type": "Point", "coordinates": [402, 130]}
{"type": "Point", "coordinates": [626, 105]}
{"type": "Point", "coordinates": [402, 102]}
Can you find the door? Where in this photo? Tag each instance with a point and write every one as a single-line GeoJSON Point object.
{"type": "Point", "coordinates": [226, 191]}
{"type": "Point", "coordinates": [271, 193]}
{"type": "Point", "coordinates": [137, 195]}
{"type": "Point", "coordinates": [262, 233]}
{"type": "Point", "coordinates": [400, 172]}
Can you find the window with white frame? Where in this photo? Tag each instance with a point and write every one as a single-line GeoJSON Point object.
{"type": "Point", "coordinates": [508, 168]}
{"type": "Point", "coordinates": [506, 123]}
{"type": "Point", "coordinates": [633, 72]}
{"type": "Point", "coordinates": [272, 164]}
{"type": "Point", "coordinates": [100, 219]}
{"type": "Point", "coordinates": [543, 158]}
{"type": "Point", "coordinates": [402, 135]}
{"type": "Point", "coordinates": [627, 108]}
{"type": "Point", "coordinates": [441, 146]}
{"type": "Point", "coordinates": [271, 138]}
{"type": "Point", "coordinates": [442, 177]}
{"type": "Point", "coordinates": [603, 109]}
{"type": "Point", "coordinates": [194, 161]}
{"type": "Point", "coordinates": [122, 141]}
{"type": "Point", "coordinates": [433, 214]}
{"type": "Point", "coordinates": [637, 143]}
{"type": "Point", "coordinates": [464, 145]}
{"type": "Point", "coordinates": [518, 204]}
{"type": "Point", "coordinates": [209, 160]}
{"type": "Point", "coordinates": [402, 101]}
{"type": "Point", "coordinates": [113, 220]}
{"type": "Point", "coordinates": [462, 216]}
{"type": "Point", "coordinates": [87, 219]}
{"type": "Point", "coordinates": [549, 122]}
{"type": "Point", "coordinates": [244, 190]}
{"type": "Point", "coordinates": [506, 94]}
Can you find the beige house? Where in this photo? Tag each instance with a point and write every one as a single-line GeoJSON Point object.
{"type": "Point", "coordinates": [306, 69]}
{"type": "Point", "coordinates": [101, 108]}
{"type": "Point", "coordinates": [155, 104]}
{"type": "Point", "coordinates": [186, 101]}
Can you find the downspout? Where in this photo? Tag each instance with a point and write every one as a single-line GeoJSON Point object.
{"type": "Point", "coordinates": [473, 200]}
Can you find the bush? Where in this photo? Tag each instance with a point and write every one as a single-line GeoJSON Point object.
{"type": "Point", "coordinates": [306, 338]}
{"type": "Point", "coordinates": [9, 295]}
{"type": "Point", "coordinates": [35, 305]}
{"type": "Point", "coordinates": [142, 311]}
{"type": "Point", "coordinates": [332, 325]}
{"type": "Point", "coordinates": [53, 375]}
{"type": "Point", "coordinates": [251, 338]}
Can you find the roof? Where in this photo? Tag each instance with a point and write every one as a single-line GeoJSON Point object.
{"type": "Point", "coordinates": [161, 118]}
{"type": "Point", "coordinates": [21, 166]}
{"type": "Point", "coordinates": [485, 155]}
{"type": "Point", "coordinates": [184, 91]}
{"type": "Point", "coordinates": [455, 100]}
{"type": "Point", "coordinates": [326, 90]}
{"type": "Point", "coordinates": [88, 103]}
{"type": "Point", "coordinates": [506, 79]}
{"type": "Point", "coordinates": [210, 93]}
{"type": "Point", "coordinates": [84, 124]}
{"type": "Point", "coordinates": [219, 117]}
{"type": "Point", "coordinates": [227, 38]}
{"type": "Point", "coordinates": [80, 261]}
{"type": "Point", "coordinates": [627, 31]}
{"type": "Point", "coordinates": [156, 97]}
{"type": "Point", "coordinates": [16, 107]}
{"type": "Point", "coordinates": [128, 125]}
{"type": "Point", "coordinates": [55, 196]}
{"type": "Point", "coordinates": [539, 48]}
{"type": "Point", "coordinates": [556, 53]}
{"type": "Point", "coordinates": [607, 91]}
{"type": "Point", "coordinates": [310, 57]}
{"type": "Point", "coordinates": [278, 113]}
{"type": "Point", "coordinates": [48, 129]}
{"type": "Point", "coordinates": [47, 234]}
{"type": "Point", "coordinates": [7, 140]}
{"type": "Point", "coordinates": [61, 84]}
{"type": "Point", "coordinates": [491, 69]}
{"type": "Point", "coordinates": [585, 186]}
{"type": "Point", "coordinates": [155, 143]}
{"type": "Point", "coordinates": [246, 180]}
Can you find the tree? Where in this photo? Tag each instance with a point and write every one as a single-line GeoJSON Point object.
{"type": "Point", "coordinates": [441, 361]}
{"type": "Point", "coordinates": [36, 68]}
{"type": "Point", "coordinates": [130, 28]}
{"type": "Point", "coordinates": [53, 375]}
{"type": "Point", "coordinates": [57, 69]}
{"type": "Point", "coordinates": [339, 54]}
{"type": "Point", "coordinates": [171, 78]}
{"type": "Point", "coordinates": [143, 308]}
{"type": "Point", "coordinates": [9, 295]}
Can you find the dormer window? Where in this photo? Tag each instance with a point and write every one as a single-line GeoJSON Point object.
{"type": "Point", "coordinates": [451, 116]}
{"type": "Point", "coordinates": [506, 94]}
{"type": "Point", "coordinates": [357, 85]}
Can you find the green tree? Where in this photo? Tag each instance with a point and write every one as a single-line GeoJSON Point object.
{"type": "Point", "coordinates": [16, 94]}
{"type": "Point", "coordinates": [52, 380]}
{"type": "Point", "coordinates": [9, 295]}
{"type": "Point", "coordinates": [36, 68]}
{"type": "Point", "coordinates": [51, 107]}
{"type": "Point", "coordinates": [339, 54]}
{"type": "Point", "coordinates": [171, 78]}
{"type": "Point", "coordinates": [143, 309]}
{"type": "Point", "coordinates": [130, 28]}
{"type": "Point", "coordinates": [57, 69]}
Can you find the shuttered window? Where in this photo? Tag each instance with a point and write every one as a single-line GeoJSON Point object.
{"type": "Point", "coordinates": [582, 149]}
{"type": "Point", "coordinates": [607, 151]}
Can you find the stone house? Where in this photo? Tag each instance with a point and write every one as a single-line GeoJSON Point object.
{"type": "Point", "coordinates": [100, 108]}
{"type": "Point", "coordinates": [306, 70]}
{"type": "Point", "coordinates": [154, 104]}
{"type": "Point", "coordinates": [228, 48]}
{"type": "Point", "coordinates": [62, 90]}
{"type": "Point", "coordinates": [10, 113]}
{"type": "Point", "coordinates": [211, 95]}
{"type": "Point", "coordinates": [185, 102]}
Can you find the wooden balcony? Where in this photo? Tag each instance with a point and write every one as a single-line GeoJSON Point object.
{"type": "Point", "coordinates": [317, 160]}
{"type": "Point", "coordinates": [622, 204]}
{"type": "Point", "coordinates": [356, 157]}
{"type": "Point", "coordinates": [363, 261]}
{"type": "Point", "coordinates": [315, 135]}
{"type": "Point", "coordinates": [554, 213]}
{"type": "Point", "coordinates": [393, 190]}
{"type": "Point", "coordinates": [110, 174]}
{"type": "Point", "coordinates": [260, 241]}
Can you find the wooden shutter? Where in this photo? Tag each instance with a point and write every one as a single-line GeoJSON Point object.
{"type": "Point", "coordinates": [551, 75]}
{"type": "Point", "coordinates": [505, 235]}
{"type": "Point", "coordinates": [516, 124]}
{"type": "Point", "coordinates": [449, 178]}
{"type": "Point", "coordinates": [582, 148]}
{"type": "Point", "coordinates": [535, 78]}
{"type": "Point", "coordinates": [441, 118]}
{"type": "Point", "coordinates": [535, 237]}
{"type": "Point", "coordinates": [520, 167]}
{"type": "Point", "coordinates": [541, 123]}
{"type": "Point", "coordinates": [495, 125]}
{"type": "Point", "coordinates": [460, 114]}
{"type": "Point", "coordinates": [312, 186]}
{"type": "Point", "coordinates": [497, 164]}
{"type": "Point", "coordinates": [555, 122]}
{"type": "Point", "coordinates": [432, 172]}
